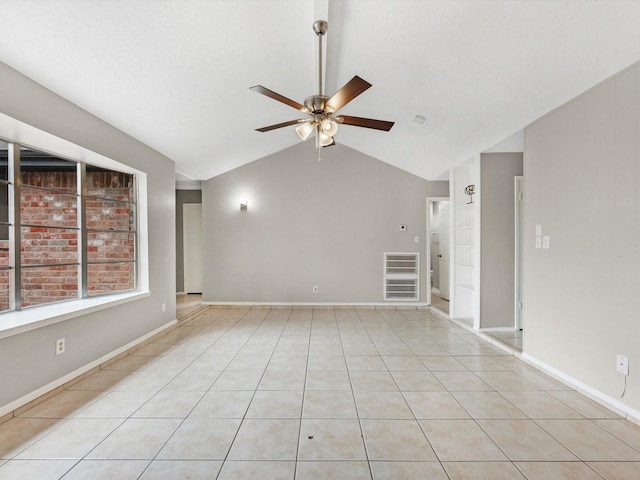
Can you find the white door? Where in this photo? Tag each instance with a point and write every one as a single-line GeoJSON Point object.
{"type": "Point", "coordinates": [444, 250]}
{"type": "Point", "coordinates": [192, 244]}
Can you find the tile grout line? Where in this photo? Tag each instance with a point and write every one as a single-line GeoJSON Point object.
{"type": "Point", "coordinates": [204, 394]}
{"type": "Point", "coordinates": [104, 394]}
{"type": "Point", "coordinates": [369, 461]}
{"type": "Point", "coordinates": [395, 330]}
{"type": "Point", "coordinates": [422, 428]}
{"type": "Point", "coordinates": [242, 421]}
{"type": "Point", "coordinates": [130, 417]}
{"type": "Point", "coordinates": [304, 395]}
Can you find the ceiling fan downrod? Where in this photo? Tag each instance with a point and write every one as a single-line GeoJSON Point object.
{"type": "Point", "coordinates": [320, 27]}
{"type": "Point", "coordinates": [317, 102]}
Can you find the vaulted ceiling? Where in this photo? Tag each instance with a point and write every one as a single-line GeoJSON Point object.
{"type": "Point", "coordinates": [176, 74]}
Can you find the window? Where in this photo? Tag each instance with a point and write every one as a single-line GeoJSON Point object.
{"type": "Point", "coordinates": [111, 231]}
{"type": "Point", "coordinates": [4, 226]}
{"type": "Point", "coordinates": [68, 230]}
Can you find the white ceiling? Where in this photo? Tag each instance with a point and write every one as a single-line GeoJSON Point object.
{"type": "Point", "coordinates": [176, 74]}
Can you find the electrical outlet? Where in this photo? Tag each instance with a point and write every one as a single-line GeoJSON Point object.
{"type": "Point", "coordinates": [315, 289]}
{"type": "Point", "coordinates": [622, 364]}
{"type": "Point", "coordinates": [416, 239]}
{"type": "Point", "coordinates": [164, 307]}
{"type": "Point", "coordinates": [60, 346]}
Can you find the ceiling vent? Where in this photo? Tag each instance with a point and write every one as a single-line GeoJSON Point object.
{"type": "Point", "coordinates": [419, 120]}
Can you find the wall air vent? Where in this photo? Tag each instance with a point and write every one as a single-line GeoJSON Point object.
{"type": "Point", "coordinates": [402, 276]}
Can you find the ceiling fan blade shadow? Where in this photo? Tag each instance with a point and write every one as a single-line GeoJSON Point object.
{"type": "Point", "coordinates": [351, 90]}
{"type": "Point", "coordinates": [280, 98]}
{"type": "Point", "coordinates": [283, 124]}
{"type": "Point", "coordinates": [365, 122]}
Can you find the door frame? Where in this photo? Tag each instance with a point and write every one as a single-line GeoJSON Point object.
{"type": "Point", "coordinates": [430, 200]}
{"type": "Point", "coordinates": [518, 292]}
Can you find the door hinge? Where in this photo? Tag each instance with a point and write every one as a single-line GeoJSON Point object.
{"type": "Point", "coordinates": [519, 305]}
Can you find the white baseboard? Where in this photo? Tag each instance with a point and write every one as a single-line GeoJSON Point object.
{"type": "Point", "coordinates": [10, 407]}
{"type": "Point", "coordinates": [486, 337]}
{"type": "Point", "coordinates": [596, 395]}
{"type": "Point", "coordinates": [498, 329]}
{"type": "Point", "coordinates": [317, 304]}
{"type": "Point", "coordinates": [435, 290]}
{"type": "Point", "coordinates": [611, 403]}
{"type": "Point", "coordinates": [440, 313]}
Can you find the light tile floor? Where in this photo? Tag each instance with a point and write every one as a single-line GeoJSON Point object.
{"type": "Point", "coordinates": [186, 304]}
{"type": "Point", "coordinates": [319, 394]}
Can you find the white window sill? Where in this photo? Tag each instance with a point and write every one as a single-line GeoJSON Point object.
{"type": "Point", "coordinates": [14, 323]}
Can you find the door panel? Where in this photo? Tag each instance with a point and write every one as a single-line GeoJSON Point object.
{"type": "Point", "coordinates": [192, 240]}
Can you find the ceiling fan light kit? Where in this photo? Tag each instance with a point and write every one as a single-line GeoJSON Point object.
{"type": "Point", "coordinates": [304, 130]}
{"type": "Point", "coordinates": [329, 126]}
{"type": "Point", "coordinates": [321, 108]}
{"type": "Point", "coordinates": [325, 140]}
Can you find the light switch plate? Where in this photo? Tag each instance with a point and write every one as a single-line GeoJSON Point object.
{"type": "Point", "coordinates": [538, 242]}
{"type": "Point", "coordinates": [546, 241]}
{"type": "Point", "coordinates": [539, 230]}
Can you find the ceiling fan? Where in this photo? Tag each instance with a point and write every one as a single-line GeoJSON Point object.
{"type": "Point", "coordinates": [322, 109]}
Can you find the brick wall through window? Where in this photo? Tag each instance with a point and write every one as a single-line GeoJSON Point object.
{"type": "Point", "coordinates": [50, 255]}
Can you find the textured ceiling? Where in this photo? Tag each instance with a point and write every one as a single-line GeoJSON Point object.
{"type": "Point", "coordinates": [176, 74]}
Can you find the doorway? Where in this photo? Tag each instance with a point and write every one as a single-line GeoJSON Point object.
{"type": "Point", "coordinates": [192, 241]}
{"type": "Point", "coordinates": [438, 253]}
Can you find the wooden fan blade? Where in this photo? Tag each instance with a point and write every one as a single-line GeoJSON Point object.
{"type": "Point", "coordinates": [278, 97]}
{"type": "Point", "coordinates": [365, 122]}
{"type": "Point", "coordinates": [351, 90]}
{"type": "Point", "coordinates": [283, 124]}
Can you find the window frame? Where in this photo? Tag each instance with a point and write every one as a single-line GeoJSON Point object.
{"type": "Point", "coordinates": [17, 320]}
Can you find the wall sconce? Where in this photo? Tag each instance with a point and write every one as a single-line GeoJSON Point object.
{"type": "Point", "coordinates": [243, 203]}
{"type": "Point", "coordinates": [470, 190]}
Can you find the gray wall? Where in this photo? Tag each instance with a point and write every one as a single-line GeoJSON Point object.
{"type": "Point", "coordinates": [27, 361]}
{"type": "Point", "coordinates": [182, 197]}
{"type": "Point", "coordinates": [497, 242]}
{"type": "Point", "coordinates": [310, 222]}
{"type": "Point", "coordinates": [581, 184]}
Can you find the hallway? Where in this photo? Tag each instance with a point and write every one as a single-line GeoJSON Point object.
{"type": "Point", "coordinates": [440, 303]}
{"type": "Point", "coordinates": [322, 393]}
{"type": "Point", "coordinates": [187, 304]}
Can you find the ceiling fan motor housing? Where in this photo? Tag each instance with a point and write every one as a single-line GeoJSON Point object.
{"type": "Point", "coordinates": [316, 104]}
